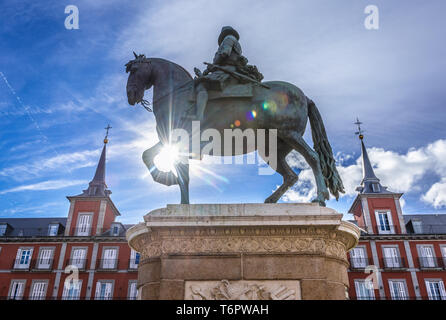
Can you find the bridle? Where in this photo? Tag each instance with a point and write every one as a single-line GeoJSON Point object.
{"type": "Point", "coordinates": [144, 103]}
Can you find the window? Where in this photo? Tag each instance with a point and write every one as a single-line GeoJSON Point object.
{"type": "Point", "coordinates": [23, 258]}
{"type": "Point", "coordinates": [78, 257]}
{"type": "Point", "coordinates": [133, 292]}
{"type": "Point", "coordinates": [443, 252]}
{"type": "Point", "coordinates": [72, 290]}
{"type": "Point", "coordinates": [398, 289]}
{"type": "Point", "coordinates": [3, 228]}
{"type": "Point", "coordinates": [53, 229]}
{"type": "Point", "coordinates": [104, 290]}
{"type": "Point", "coordinates": [364, 290]}
{"type": "Point", "coordinates": [115, 229]}
{"type": "Point", "coordinates": [358, 257]}
{"type": "Point", "coordinates": [391, 257]}
{"type": "Point", "coordinates": [427, 259]}
{"type": "Point", "coordinates": [134, 259]}
{"type": "Point", "coordinates": [38, 290]}
{"type": "Point", "coordinates": [417, 226]}
{"type": "Point", "coordinates": [435, 290]}
{"type": "Point", "coordinates": [384, 221]}
{"type": "Point", "coordinates": [16, 289]}
{"type": "Point", "coordinates": [45, 258]}
{"type": "Point", "coordinates": [83, 225]}
{"type": "Point", "coordinates": [109, 258]}
{"type": "Point", "coordinates": [375, 187]}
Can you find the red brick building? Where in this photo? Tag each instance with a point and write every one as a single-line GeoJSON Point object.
{"type": "Point", "coordinates": [38, 255]}
{"type": "Point", "coordinates": [398, 256]}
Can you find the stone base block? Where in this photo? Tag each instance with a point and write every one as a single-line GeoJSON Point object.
{"type": "Point", "coordinates": [243, 251]}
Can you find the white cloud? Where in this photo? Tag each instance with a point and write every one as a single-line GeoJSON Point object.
{"type": "Point", "coordinates": [67, 161]}
{"type": "Point", "coordinates": [46, 185]}
{"type": "Point", "coordinates": [399, 172]}
{"type": "Point", "coordinates": [436, 195]}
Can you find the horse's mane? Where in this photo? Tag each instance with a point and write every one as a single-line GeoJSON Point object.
{"type": "Point", "coordinates": [170, 62]}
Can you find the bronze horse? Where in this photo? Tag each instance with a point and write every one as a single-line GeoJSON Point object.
{"type": "Point", "coordinates": [287, 111]}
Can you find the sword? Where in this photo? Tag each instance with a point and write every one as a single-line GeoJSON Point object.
{"type": "Point", "coordinates": [236, 74]}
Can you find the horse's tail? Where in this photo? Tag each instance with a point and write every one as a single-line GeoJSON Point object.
{"type": "Point", "coordinates": [323, 149]}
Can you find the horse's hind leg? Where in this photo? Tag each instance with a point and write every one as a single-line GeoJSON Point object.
{"type": "Point", "coordinates": [312, 158]}
{"type": "Point", "coordinates": [183, 180]}
{"type": "Point", "coordinates": [289, 176]}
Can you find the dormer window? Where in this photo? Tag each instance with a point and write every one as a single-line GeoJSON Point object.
{"type": "Point", "coordinates": [417, 226]}
{"type": "Point", "coordinates": [375, 187]}
{"type": "Point", "coordinates": [53, 229]}
{"type": "Point", "coordinates": [115, 229]}
{"type": "Point", "coordinates": [3, 228]}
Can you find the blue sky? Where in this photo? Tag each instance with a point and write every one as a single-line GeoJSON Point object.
{"type": "Point", "coordinates": [59, 88]}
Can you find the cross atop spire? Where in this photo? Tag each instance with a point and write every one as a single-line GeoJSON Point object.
{"type": "Point", "coordinates": [370, 183]}
{"type": "Point", "coordinates": [106, 133]}
{"type": "Point", "coordinates": [359, 132]}
{"type": "Point", "coordinates": [97, 186]}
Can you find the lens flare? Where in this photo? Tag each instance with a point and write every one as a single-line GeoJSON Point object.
{"type": "Point", "coordinates": [166, 159]}
{"type": "Point", "coordinates": [251, 115]}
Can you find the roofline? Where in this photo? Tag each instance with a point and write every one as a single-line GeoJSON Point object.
{"type": "Point", "coordinates": [89, 198]}
{"type": "Point", "coordinates": [373, 195]}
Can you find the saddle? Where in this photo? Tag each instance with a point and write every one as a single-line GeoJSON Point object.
{"type": "Point", "coordinates": [231, 91]}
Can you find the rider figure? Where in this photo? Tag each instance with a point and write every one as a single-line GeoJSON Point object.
{"type": "Point", "coordinates": [229, 55]}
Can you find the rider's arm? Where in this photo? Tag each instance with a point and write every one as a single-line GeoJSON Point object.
{"type": "Point", "coordinates": [224, 50]}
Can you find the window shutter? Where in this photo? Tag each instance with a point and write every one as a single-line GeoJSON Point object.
{"type": "Point", "coordinates": [98, 290]}
{"type": "Point", "coordinates": [108, 291]}
{"type": "Point", "coordinates": [17, 258]}
{"type": "Point", "coordinates": [442, 291]}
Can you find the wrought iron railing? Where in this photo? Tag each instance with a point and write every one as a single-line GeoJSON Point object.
{"type": "Point", "coordinates": [394, 263]}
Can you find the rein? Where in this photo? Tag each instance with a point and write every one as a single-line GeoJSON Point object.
{"type": "Point", "coordinates": [146, 104]}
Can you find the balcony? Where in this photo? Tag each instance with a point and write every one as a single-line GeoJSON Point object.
{"type": "Point", "coordinates": [431, 263]}
{"type": "Point", "coordinates": [21, 265]}
{"type": "Point", "coordinates": [80, 264]}
{"type": "Point", "coordinates": [81, 232]}
{"type": "Point", "coordinates": [359, 263]}
{"type": "Point", "coordinates": [43, 264]}
{"type": "Point", "coordinates": [107, 264]}
{"type": "Point", "coordinates": [394, 263]}
{"type": "Point", "coordinates": [389, 229]}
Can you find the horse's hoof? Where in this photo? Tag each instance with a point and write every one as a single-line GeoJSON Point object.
{"type": "Point", "coordinates": [270, 200]}
{"type": "Point", "coordinates": [320, 202]}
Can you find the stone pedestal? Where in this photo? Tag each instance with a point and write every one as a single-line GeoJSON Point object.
{"type": "Point", "coordinates": [243, 251]}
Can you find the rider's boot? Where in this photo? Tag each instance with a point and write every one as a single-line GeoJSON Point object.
{"type": "Point", "coordinates": [202, 100]}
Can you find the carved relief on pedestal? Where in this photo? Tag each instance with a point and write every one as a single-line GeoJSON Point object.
{"type": "Point", "coordinates": [242, 290]}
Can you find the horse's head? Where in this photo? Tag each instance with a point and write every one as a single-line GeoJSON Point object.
{"type": "Point", "coordinates": [139, 80]}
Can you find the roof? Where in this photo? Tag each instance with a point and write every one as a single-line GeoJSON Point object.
{"type": "Point", "coordinates": [38, 227]}
{"type": "Point", "coordinates": [425, 223]}
{"type": "Point", "coordinates": [28, 227]}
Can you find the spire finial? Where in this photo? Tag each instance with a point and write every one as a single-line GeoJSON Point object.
{"type": "Point", "coordinates": [106, 133]}
{"type": "Point", "coordinates": [360, 131]}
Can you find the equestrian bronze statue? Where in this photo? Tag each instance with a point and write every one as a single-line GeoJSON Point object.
{"type": "Point", "coordinates": [222, 96]}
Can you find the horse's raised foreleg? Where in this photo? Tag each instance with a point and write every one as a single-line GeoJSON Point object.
{"type": "Point", "coordinates": [312, 158]}
{"type": "Point", "coordinates": [289, 176]}
{"type": "Point", "coordinates": [182, 168]}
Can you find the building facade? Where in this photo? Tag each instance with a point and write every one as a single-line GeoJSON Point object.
{"type": "Point", "coordinates": [398, 257]}
{"type": "Point", "coordinates": [86, 255]}
{"type": "Point", "coordinates": [83, 256]}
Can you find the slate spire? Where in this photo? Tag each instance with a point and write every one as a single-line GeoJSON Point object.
{"type": "Point", "coordinates": [97, 186]}
{"type": "Point", "coordinates": [370, 183]}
